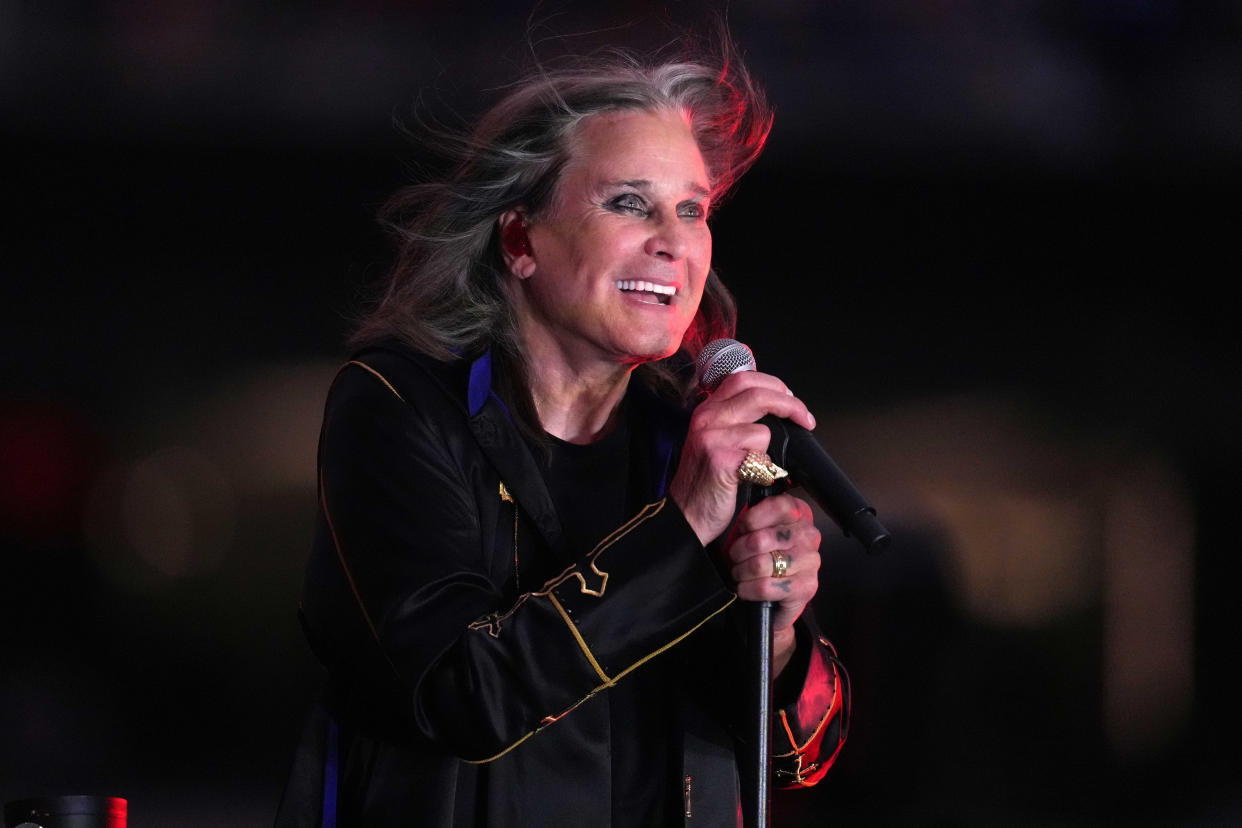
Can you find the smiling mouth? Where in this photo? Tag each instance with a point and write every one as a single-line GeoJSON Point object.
{"type": "Point", "coordinates": [661, 294]}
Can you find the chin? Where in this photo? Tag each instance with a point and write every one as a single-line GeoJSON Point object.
{"type": "Point", "coordinates": [655, 346]}
{"type": "Point", "coordinates": [639, 356]}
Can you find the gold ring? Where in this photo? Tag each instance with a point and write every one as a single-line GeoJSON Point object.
{"type": "Point", "coordinates": [759, 468]}
{"type": "Point", "coordinates": [780, 563]}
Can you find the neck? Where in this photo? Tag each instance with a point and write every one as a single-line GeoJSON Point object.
{"type": "Point", "coordinates": [576, 408]}
{"type": "Point", "coordinates": [577, 401]}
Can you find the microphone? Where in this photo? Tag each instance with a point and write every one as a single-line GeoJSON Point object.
{"type": "Point", "coordinates": [797, 451]}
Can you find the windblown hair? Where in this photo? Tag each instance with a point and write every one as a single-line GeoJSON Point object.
{"type": "Point", "coordinates": [447, 293]}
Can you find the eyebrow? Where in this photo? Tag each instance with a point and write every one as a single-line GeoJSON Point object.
{"type": "Point", "coordinates": [645, 184]}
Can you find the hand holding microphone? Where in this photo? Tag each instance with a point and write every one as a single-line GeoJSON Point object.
{"type": "Point", "coordinates": [773, 553]}
{"type": "Point", "coordinates": [794, 448]}
{"type": "Point", "coordinates": [723, 430]}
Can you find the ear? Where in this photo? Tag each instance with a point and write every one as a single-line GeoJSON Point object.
{"type": "Point", "coordinates": [515, 244]}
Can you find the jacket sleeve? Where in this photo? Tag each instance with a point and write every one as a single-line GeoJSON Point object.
{"type": "Point", "coordinates": [476, 673]}
{"type": "Point", "coordinates": [809, 731]}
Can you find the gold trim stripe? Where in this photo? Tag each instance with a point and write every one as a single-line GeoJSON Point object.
{"type": "Point", "coordinates": [573, 628]}
{"type": "Point", "coordinates": [675, 641]}
{"type": "Point", "coordinates": [832, 708]}
{"type": "Point", "coordinates": [349, 576]}
{"type": "Point", "coordinates": [378, 375]}
{"type": "Point", "coordinates": [336, 542]}
{"type": "Point", "coordinates": [789, 735]}
{"type": "Point", "coordinates": [340, 556]}
{"type": "Point", "coordinates": [604, 686]}
{"type": "Point", "coordinates": [503, 752]}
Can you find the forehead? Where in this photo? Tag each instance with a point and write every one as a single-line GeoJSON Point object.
{"type": "Point", "coordinates": [652, 146]}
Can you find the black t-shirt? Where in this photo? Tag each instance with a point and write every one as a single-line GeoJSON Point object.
{"type": "Point", "coordinates": [596, 488]}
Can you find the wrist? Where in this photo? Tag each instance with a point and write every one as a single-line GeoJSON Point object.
{"type": "Point", "coordinates": [694, 521]}
{"type": "Point", "coordinates": [784, 643]}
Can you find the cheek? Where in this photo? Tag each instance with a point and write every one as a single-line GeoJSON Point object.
{"type": "Point", "coordinates": [703, 261]}
{"type": "Point", "coordinates": [596, 251]}
{"type": "Point", "coordinates": [705, 250]}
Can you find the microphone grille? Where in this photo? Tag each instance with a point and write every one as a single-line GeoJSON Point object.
{"type": "Point", "coordinates": [719, 358]}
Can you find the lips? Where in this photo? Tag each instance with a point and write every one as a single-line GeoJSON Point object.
{"type": "Point", "coordinates": [663, 294]}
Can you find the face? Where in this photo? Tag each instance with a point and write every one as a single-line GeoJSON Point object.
{"type": "Point", "coordinates": [615, 269]}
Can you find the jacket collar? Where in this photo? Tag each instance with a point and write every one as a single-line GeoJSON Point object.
{"type": "Point", "coordinates": [662, 427]}
{"type": "Point", "coordinates": [498, 436]}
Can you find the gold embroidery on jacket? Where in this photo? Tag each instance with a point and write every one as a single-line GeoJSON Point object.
{"type": "Point", "coordinates": [505, 497]}
{"type": "Point", "coordinates": [799, 773]}
{"type": "Point", "coordinates": [493, 620]}
{"type": "Point", "coordinates": [646, 513]}
{"type": "Point", "coordinates": [832, 708]}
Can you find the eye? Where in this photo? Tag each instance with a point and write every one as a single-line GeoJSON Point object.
{"type": "Point", "coordinates": [692, 210]}
{"type": "Point", "coordinates": [628, 203]}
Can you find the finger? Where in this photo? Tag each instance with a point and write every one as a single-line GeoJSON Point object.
{"type": "Point", "coordinates": [765, 566]}
{"type": "Point", "coordinates": [753, 403]}
{"type": "Point", "coordinates": [801, 560]}
{"type": "Point", "coordinates": [734, 384]}
{"type": "Point", "coordinates": [801, 535]}
{"type": "Point", "coordinates": [762, 542]}
{"type": "Point", "coordinates": [778, 510]}
{"type": "Point", "coordinates": [723, 450]}
{"type": "Point", "coordinates": [750, 395]}
{"type": "Point", "coordinates": [791, 593]}
{"type": "Point", "coordinates": [727, 439]}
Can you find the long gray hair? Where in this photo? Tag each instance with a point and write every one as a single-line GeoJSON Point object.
{"type": "Point", "coordinates": [446, 295]}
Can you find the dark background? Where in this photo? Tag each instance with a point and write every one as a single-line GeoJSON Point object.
{"type": "Point", "coordinates": [992, 243]}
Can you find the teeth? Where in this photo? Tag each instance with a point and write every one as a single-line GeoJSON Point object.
{"type": "Point", "coordinates": [649, 287]}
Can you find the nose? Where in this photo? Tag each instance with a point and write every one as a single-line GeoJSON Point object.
{"type": "Point", "coordinates": [668, 240]}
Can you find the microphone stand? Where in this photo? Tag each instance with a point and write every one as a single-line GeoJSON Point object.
{"type": "Point", "coordinates": [755, 795]}
{"type": "Point", "coordinates": [756, 772]}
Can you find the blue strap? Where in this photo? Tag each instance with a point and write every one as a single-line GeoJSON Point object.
{"type": "Point", "coordinates": [480, 385]}
{"type": "Point", "coordinates": [479, 390]}
{"type": "Point", "coordinates": [330, 771]}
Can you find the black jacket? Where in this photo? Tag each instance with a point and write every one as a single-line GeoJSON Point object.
{"type": "Point", "coordinates": [454, 698]}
